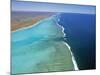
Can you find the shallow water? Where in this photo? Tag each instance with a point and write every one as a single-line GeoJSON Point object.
{"type": "Point", "coordinates": [41, 48]}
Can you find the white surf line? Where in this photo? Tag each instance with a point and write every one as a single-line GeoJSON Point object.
{"type": "Point", "coordinates": [61, 28]}
{"type": "Point", "coordinates": [73, 59]}
{"type": "Point", "coordinates": [58, 24]}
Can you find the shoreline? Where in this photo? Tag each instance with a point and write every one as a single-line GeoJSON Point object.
{"type": "Point", "coordinates": [32, 25]}
{"type": "Point", "coordinates": [21, 25]}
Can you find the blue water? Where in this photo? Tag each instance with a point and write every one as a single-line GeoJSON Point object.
{"type": "Point", "coordinates": [80, 34]}
{"type": "Point", "coordinates": [45, 47]}
{"type": "Point", "coordinates": [41, 48]}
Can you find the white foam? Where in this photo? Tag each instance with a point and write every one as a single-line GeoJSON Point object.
{"type": "Point", "coordinates": [73, 59]}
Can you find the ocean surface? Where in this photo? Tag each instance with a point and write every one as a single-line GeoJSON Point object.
{"type": "Point", "coordinates": [80, 35]}
{"type": "Point", "coordinates": [62, 42]}
{"type": "Point", "coordinates": [41, 48]}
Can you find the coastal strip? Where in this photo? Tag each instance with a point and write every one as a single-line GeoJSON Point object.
{"type": "Point", "coordinates": [15, 25]}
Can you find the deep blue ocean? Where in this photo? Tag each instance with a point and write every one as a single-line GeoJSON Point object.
{"type": "Point", "coordinates": [80, 35]}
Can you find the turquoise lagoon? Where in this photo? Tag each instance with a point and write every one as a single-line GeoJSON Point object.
{"type": "Point", "coordinates": [41, 48]}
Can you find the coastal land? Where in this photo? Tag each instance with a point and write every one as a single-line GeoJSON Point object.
{"type": "Point", "coordinates": [25, 19]}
